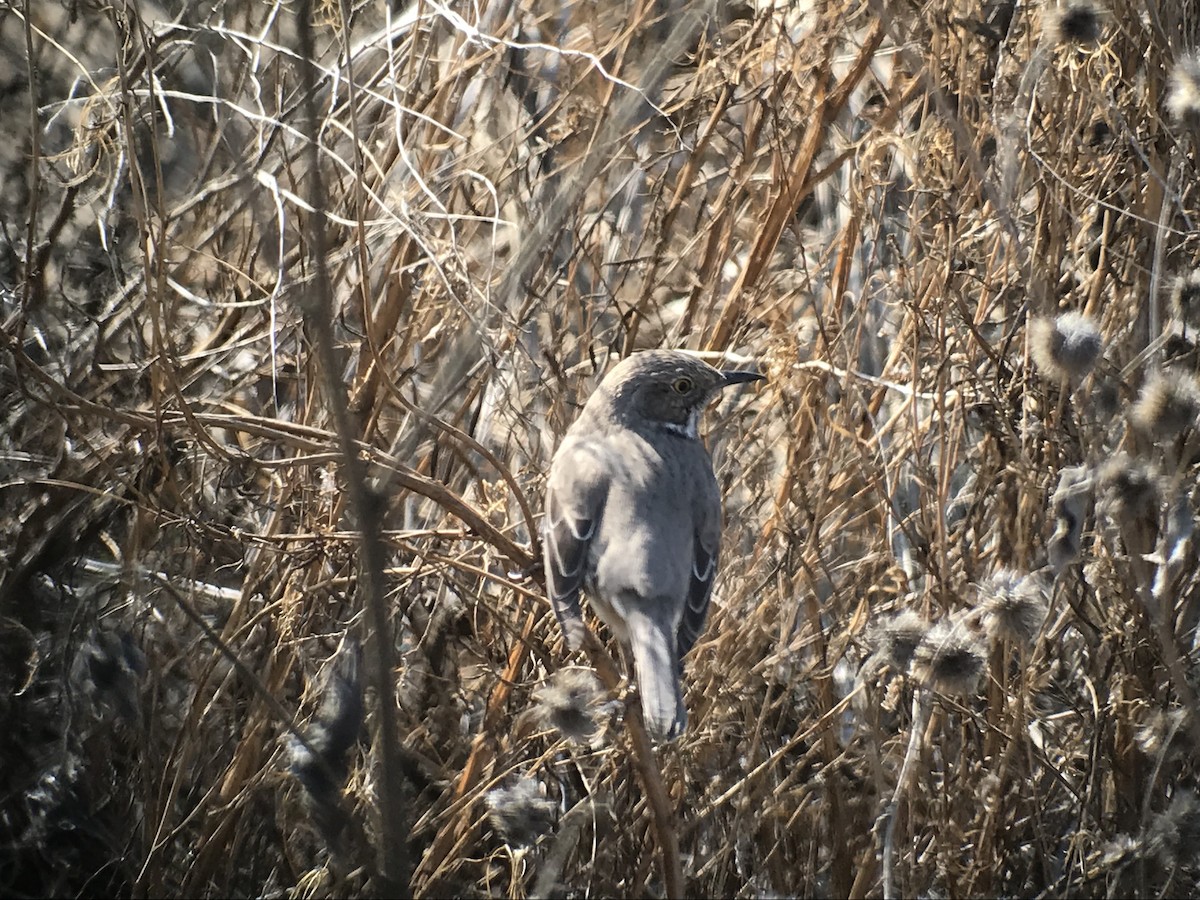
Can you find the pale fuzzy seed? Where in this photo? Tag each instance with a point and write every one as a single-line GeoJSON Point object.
{"type": "Point", "coordinates": [951, 658]}
{"type": "Point", "coordinates": [1077, 22]}
{"type": "Point", "coordinates": [569, 703]}
{"type": "Point", "coordinates": [1065, 347]}
{"type": "Point", "coordinates": [1014, 606]}
{"type": "Point", "coordinates": [1185, 297]}
{"type": "Point", "coordinates": [1168, 404]}
{"type": "Point", "coordinates": [895, 640]}
{"type": "Point", "coordinates": [520, 811]}
{"type": "Point", "coordinates": [1128, 490]}
{"type": "Point", "coordinates": [1183, 96]}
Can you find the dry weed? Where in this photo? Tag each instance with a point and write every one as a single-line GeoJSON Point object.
{"type": "Point", "coordinates": [287, 337]}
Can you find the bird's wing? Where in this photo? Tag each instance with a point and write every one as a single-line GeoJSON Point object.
{"type": "Point", "coordinates": [707, 548]}
{"type": "Point", "coordinates": [575, 494]}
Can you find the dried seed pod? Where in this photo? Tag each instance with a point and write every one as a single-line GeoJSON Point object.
{"type": "Point", "coordinates": [951, 657]}
{"type": "Point", "coordinates": [1174, 834]}
{"type": "Point", "coordinates": [520, 812]}
{"type": "Point", "coordinates": [895, 639]}
{"type": "Point", "coordinates": [1161, 730]}
{"type": "Point", "coordinates": [1077, 22]}
{"type": "Point", "coordinates": [1185, 298]}
{"type": "Point", "coordinates": [1179, 350]}
{"type": "Point", "coordinates": [1183, 95]}
{"type": "Point", "coordinates": [1128, 490]}
{"type": "Point", "coordinates": [1167, 405]}
{"type": "Point", "coordinates": [1070, 503]}
{"type": "Point", "coordinates": [1066, 347]}
{"type": "Point", "coordinates": [569, 702]}
{"type": "Point", "coordinates": [1014, 606]}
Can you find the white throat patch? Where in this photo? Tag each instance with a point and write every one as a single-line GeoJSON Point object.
{"type": "Point", "coordinates": [689, 429]}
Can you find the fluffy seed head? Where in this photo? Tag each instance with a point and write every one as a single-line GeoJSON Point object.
{"type": "Point", "coordinates": [520, 812]}
{"type": "Point", "coordinates": [569, 703]}
{"type": "Point", "coordinates": [1183, 96]}
{"type": "Point", "coordinates": [895, 640]}
{"type": "Point", "coordinates": [1185, 297]}
{"type": "Point", "coordinates": [1180, 350]}
{"type": "Point", "coordinates": [1128, 490]}
{"type": "Point", "coordinates": [1168, 404]}
{"type": "Point", "coordinates": [1160, 731]}
{"type": "Point", "coordinates": [1066, 347]}
{"type": "Point", "coordinates": [1014, 606]}
{"type": "Point", "coordinates": [1077, 22]}
{"type": "Point", "coordinates": [951, 658]}
{"type": "Point", "coordinates": [1174, 835]}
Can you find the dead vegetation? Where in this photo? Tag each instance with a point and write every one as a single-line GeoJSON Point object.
{"type": "Point", "coordinates": [953, 644]}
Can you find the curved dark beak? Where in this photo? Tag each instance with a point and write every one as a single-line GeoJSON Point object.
{"type": "Point", "coordinates": [741, 378]}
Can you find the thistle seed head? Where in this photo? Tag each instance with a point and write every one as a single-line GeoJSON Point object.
{"type": "Point", "coordinates": [1185, 297]}
{"type": "Point", "coordinates": [1160, 730]}
{"type": "Point", "coordinates": [520, 812]}
{"type": "Point", "coordinates": [895, 639]}
{"type": "Point", "coordinates": [1167, 405]}
{"type": "Point", "coordinates": [569, 702]}
{"type": "Point", "coordinates": [1077, 22]}
{"type": "Point", "coordinates": [1183, 95]}
{"type": "Point", "coordinates": [1065, 347]}
{"type": "Point", "coordinates": [1174, 835]}
{"type": "Point", "coordinates": [1014, 606]}
{"type": "Point", "coordinates": [951, 658]}
{"type": "Point", "coordinates": [1128, 490]}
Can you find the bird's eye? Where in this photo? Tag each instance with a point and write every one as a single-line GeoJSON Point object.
{"type": "Point", "coordinates": [682, 385]}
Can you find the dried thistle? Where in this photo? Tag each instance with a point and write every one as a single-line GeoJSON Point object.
{"type": "Point", "coordinates": [1128, 490]}
{"type": "Point", "coordinates": [1014, 606]}
{"type": "Point", "coordinates": [1179, 350]}
{"type": "Point", "coordinates": [1185, 297]}
{"type": "Point", "coordinates": [1174, 835]}
{"type": "Point", "coordinates": [520, 812]}
{"type": "Point", "coordinates": [951, 658]}
{"type": "Point", "coordinates": [1077, 22]}
{"type": "Point", "coordinates": [1168, 404]}
{"type": "Point", "coordinates": [1066, 347]}
{"type": "Point", "coordinates": [1183, 95]}
{"type": "Point", "coordinates": [569, 702]}
{"type": "Point", "coordinates": [1069, 503]}
{"type": "Point", "coordinates": [895, 640]}
{"type": "Point", "coordinates": [1160, 730]}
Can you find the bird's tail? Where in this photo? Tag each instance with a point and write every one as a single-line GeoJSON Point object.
{"type": "Point", "coordinates": [656, 664]}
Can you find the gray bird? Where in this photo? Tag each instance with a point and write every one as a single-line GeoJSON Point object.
{"type": "Point", "coordinates": [633, 518]}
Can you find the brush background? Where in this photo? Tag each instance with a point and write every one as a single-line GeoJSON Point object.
{"type": "Point", "coordinates": [867, 200]}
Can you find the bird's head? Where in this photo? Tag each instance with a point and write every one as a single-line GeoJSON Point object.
{"type": "Point", "coordinates": [666, 388]}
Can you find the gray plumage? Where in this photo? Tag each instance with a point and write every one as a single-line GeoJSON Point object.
{"type": "Point", "coordinates": [633, 518]}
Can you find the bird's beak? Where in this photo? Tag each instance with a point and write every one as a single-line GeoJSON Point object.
{"type": "Point", "coordinates": [741, 378]}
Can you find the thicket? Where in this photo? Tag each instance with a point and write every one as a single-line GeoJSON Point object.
{"type": "Point", "coordinates": [296, 299]}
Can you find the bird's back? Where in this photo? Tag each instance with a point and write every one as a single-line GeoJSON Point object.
{"type": "Point", "coordinates": [644, 543]}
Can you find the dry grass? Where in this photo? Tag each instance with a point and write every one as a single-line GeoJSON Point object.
{"type": "Point", "coordinates": [229, 353]}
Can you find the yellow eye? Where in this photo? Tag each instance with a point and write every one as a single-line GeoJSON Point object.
{"type": "Point", "coordinates": [682, 385]}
